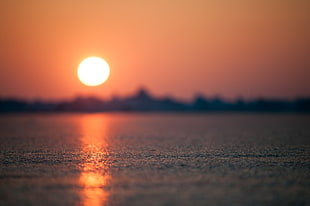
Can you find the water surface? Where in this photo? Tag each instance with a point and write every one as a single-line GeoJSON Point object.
{"type": "Point", "coordinates": [154, 159]}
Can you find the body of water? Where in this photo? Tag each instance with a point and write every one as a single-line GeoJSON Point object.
{"type": "Point", "coordinates": [154, 159]}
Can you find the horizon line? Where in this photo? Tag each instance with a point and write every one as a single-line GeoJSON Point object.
{"type": "Point", "coordinates": [147, 91]}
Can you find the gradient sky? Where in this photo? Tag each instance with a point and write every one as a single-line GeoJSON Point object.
{"type": "Point", "coordinates": [232, 48]}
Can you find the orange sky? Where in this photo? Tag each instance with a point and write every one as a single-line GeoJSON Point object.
{"type": "Point", "coordinates": [178, 47]}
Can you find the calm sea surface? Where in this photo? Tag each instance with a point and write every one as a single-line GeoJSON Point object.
{"type": "Point", "coordinates": [155, 159]}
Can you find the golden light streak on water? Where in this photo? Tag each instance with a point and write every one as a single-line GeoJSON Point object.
{"type": "Point", "coordinates": [95, 176]}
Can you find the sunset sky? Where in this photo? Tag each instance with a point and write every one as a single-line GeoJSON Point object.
{"type": "Point", "coordinates": [232, 48]}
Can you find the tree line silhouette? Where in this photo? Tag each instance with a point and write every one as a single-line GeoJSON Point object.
{"type": "Point", "coordinates": [142, 101]}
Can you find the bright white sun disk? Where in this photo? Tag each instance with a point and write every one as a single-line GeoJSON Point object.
{"type": "Point", "coordinates": [93, 71]}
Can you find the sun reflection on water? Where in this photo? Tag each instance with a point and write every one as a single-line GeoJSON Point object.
{"type": "Point", "coordinates": [94, 177]}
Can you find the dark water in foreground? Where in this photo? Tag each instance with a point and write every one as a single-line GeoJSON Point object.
{"type": "Point", "coordinates": [155, 159]}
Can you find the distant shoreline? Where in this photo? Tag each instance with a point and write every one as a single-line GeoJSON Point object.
{"type": "Point", "coordinates": [142, 101]}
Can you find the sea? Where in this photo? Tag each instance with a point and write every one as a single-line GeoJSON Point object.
{"type": "Point", "coordinates": [151, 159]}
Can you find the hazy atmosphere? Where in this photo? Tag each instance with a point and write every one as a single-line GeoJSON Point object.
{"type": "Point", "coordinates": [230, 48]}
{"type": "Point", "coordinates": [163, 102]}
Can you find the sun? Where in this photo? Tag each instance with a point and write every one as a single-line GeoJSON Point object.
{"type": "Point", "coordinates": [93, 71]}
